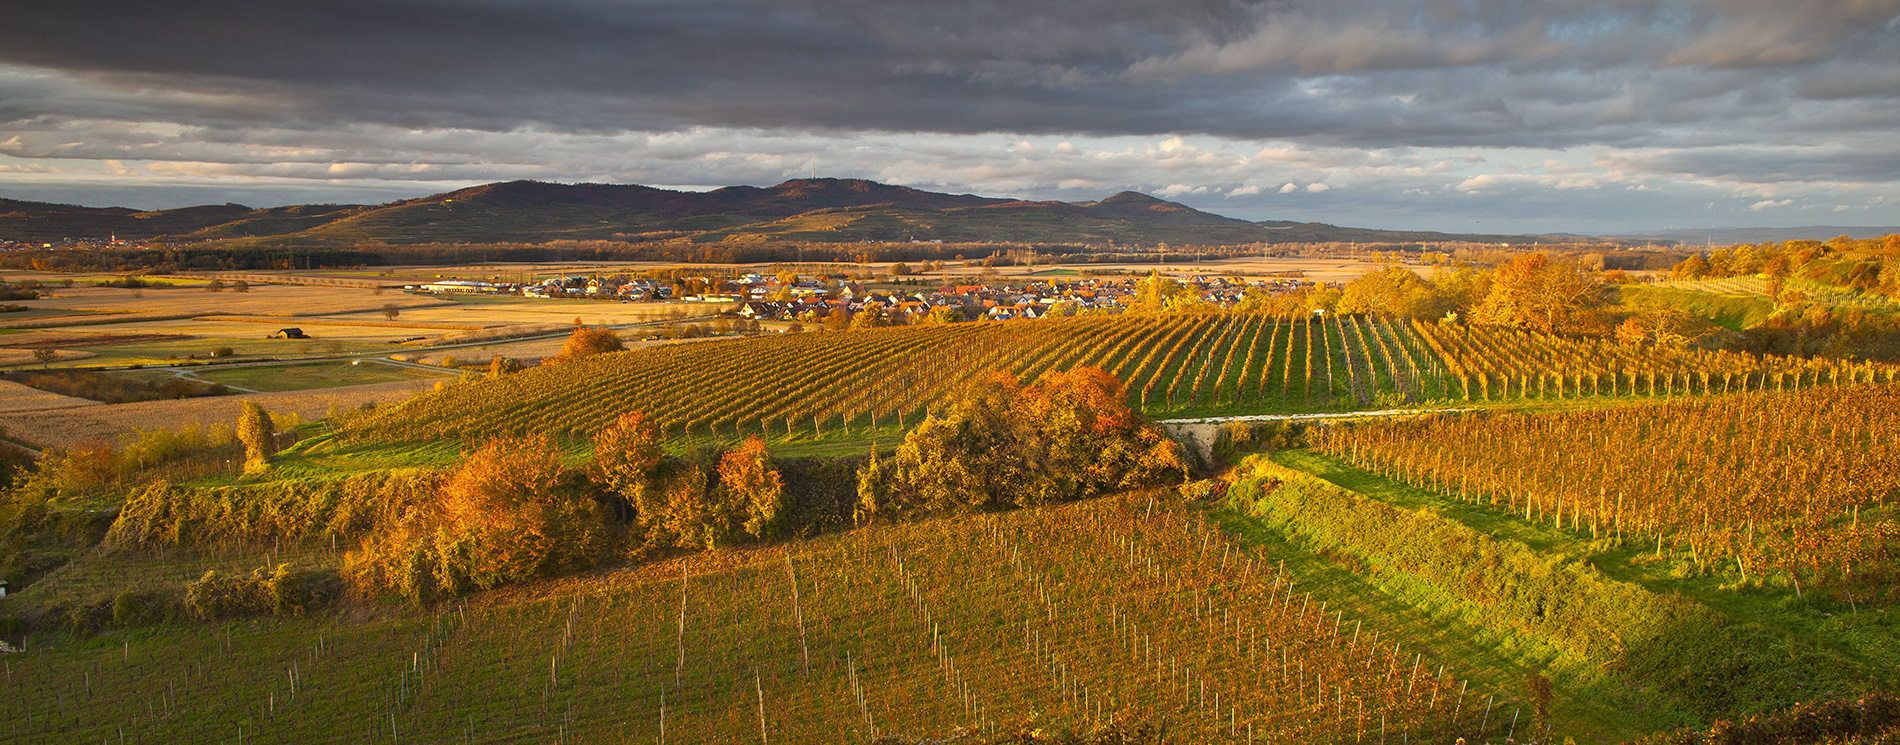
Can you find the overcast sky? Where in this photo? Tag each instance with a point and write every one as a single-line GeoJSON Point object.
{"type": "Point", "coordinates": [1494, 115]}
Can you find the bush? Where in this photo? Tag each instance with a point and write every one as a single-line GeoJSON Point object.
{"type": "Point", "coordinates": [161, 514]}
{"type": "Point", "coordinates": [222, 352]}
{"type": "Point", "coordinates": [218, 596]}
{"type": "Point", "coordinates": [278, 591]}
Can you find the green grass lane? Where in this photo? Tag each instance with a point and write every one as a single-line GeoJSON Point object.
{"type": "Point", "coordinates": [1779, 648]}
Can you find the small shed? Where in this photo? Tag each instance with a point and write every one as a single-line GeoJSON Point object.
{"type": "Point", "coordinates": [289, 334]}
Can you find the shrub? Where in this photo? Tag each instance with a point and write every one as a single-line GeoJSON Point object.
{"type": "Point", "coordinates": [218, 596]}
{"type": "Point", "coordinates": [222, 352]}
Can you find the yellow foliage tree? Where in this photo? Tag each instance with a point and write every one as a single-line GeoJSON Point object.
{"type": "Point", "coordinates": [750, 485]}
{"type": "Point", "coordinates": [1537, 292]}
{"type": "Point", "coordinates": [258, 434]}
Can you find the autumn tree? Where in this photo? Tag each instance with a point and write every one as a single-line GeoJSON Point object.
{"type": "Point", "coordinates": [626, 455]}
{"type": "Point", "coordinates": [1694, 267]}
{"type": "Point", "coordinates": [839, 319]}
{"type": "Point", "coordinates": [257, 432]}
{"type": "Point", "coordinates": [1069, 436]}
{"type": "Point", "coordinates": [1153, 295]}
{"type": "Point", "coordinates": [873, 492]}
{"type": "Point", "coordinates": [587, 341]}
{"type": "Point", "coordinates": [750, 487]}
{"type": "Point", "coordinates": [390, 311]}
{"type": "Point", "coordinates": [504, 517]}
{"type": "Point", "coordinates": [1534, 291]}
{"type": "Point", "coordinates": [870, 317]}
{"type": "Point", "coordinates": [500, 366]}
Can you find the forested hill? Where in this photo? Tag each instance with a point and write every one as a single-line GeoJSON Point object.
{"type": "Point", "coordinates": [819, 210]}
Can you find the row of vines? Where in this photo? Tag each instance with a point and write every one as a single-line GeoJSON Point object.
{"type": "Point", "coordinates": [1203, 364]}
{"type": "Point", "coordinates": [1789, 483]}
{"type": "Point", "coordinates": [1125, 609]}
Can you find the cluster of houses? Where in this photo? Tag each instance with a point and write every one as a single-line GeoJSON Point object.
{"type": "Point", "coordinates": [808, 297]}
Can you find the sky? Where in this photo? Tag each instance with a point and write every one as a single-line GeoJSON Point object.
{"type": "Point", "coordinates": [1587, 116]}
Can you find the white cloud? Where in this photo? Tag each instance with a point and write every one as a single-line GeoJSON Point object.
{"type": "Point", "coordinates": [1289, 187]}
{"type": "Point", "coordinates": [1766, 203]}
{"type": "Point", "coordinates": [1318, 187]}
{"type": "Point", "coordinates": [1244, 191]}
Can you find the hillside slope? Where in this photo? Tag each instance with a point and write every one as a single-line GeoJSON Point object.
{"type": "Point", "coordinates": [813, 210]}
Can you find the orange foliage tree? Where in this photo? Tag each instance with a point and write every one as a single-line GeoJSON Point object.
{"type": "Point", "coordinates": [507, 515]}
{"type": "Point", "coordinates": [1071, 435]}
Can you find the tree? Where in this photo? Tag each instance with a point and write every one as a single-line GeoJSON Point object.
{"type": "Point", "coordinates": [1069, 436]}
{"type": "Point", "coordinates": [500, 366]}
{"type": "Point", "coordinates": [1533, 291]}
{"type": "Point", "coordinates": [390, 311]}
{"type": "Point", "coordinates": [1153, 294]}
{"type": "Point", "coordinates": [504, 518]}
{"type": "Point", "coordinates": [239, 285]}
{"type": "Point", "coordinates": [900, 269]}
{"type": "Point", "coordinates": [873, 492]}
{"type": "Point", "coordinates": [839, 318]}
{"type": "Point", "coordinates": [946, 314]}
{"type": "Point", "coordinates": [750, 486]}
{"type": "Point", "coordinates": [587, 341]}
{"type": "Point", "coordinates": [256, 431]}
{"type": "Point", "coordinates": [1694, 267]}
{"type": "Point", "coordinates": [216, 285]}
{"type": "Point", "coordinates": [46, 356]}
{"type": "Point", "coordinates": [870, 317]}
{"type": "Point", "coordinates": [626, 455]}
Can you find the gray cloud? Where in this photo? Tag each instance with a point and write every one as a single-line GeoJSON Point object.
{"type": "Point", "coordinates": [1404, 106]}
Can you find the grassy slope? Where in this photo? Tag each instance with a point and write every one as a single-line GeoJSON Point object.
{"type": "Point", "coordinates": [1734, 312]}
{"type": "Point", "coordinates": [1818, 647]}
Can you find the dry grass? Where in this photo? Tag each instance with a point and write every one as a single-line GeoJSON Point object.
{"type": "Point", "coordinates": [261, 300]}
{"type": "Point", "coordinates": [17, 357]}
{"type": "Point", "coordinates": [70, 427]}
{"type": "Point", "coordinates": [16, 397]}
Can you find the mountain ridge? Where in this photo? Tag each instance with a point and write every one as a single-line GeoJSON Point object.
{"type": "Point", "coordinates": [822, 210]}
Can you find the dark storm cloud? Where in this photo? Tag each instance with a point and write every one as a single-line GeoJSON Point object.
{"type": "Point", "coordinates": [1378, 72]}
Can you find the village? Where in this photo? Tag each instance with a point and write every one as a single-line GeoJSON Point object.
{"type": "Point", "coordinates": [897, 300]}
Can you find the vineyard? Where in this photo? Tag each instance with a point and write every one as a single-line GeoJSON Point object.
{"type": "Point", "coordinates": [1125, 609]}
{"type": "Point", "coordinates": [817, 384]}
{"type": "Point", "coordinates": [1795, 485]}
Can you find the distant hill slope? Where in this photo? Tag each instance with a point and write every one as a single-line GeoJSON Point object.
{"type": "Point", "coordinates": [1733, 236]}
{"type": "Point", "coordinates": [813, 210]}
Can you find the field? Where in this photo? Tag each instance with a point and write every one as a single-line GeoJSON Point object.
{"type": "Point", "coordinates": [820, 384]}
{"type": "Point", "coordinates": [181, 320]}
{"type": "Point", "coordinates": [82, 426]}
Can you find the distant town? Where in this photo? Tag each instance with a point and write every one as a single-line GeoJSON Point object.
{"type": "Point", "coordinates": [817, 298]}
